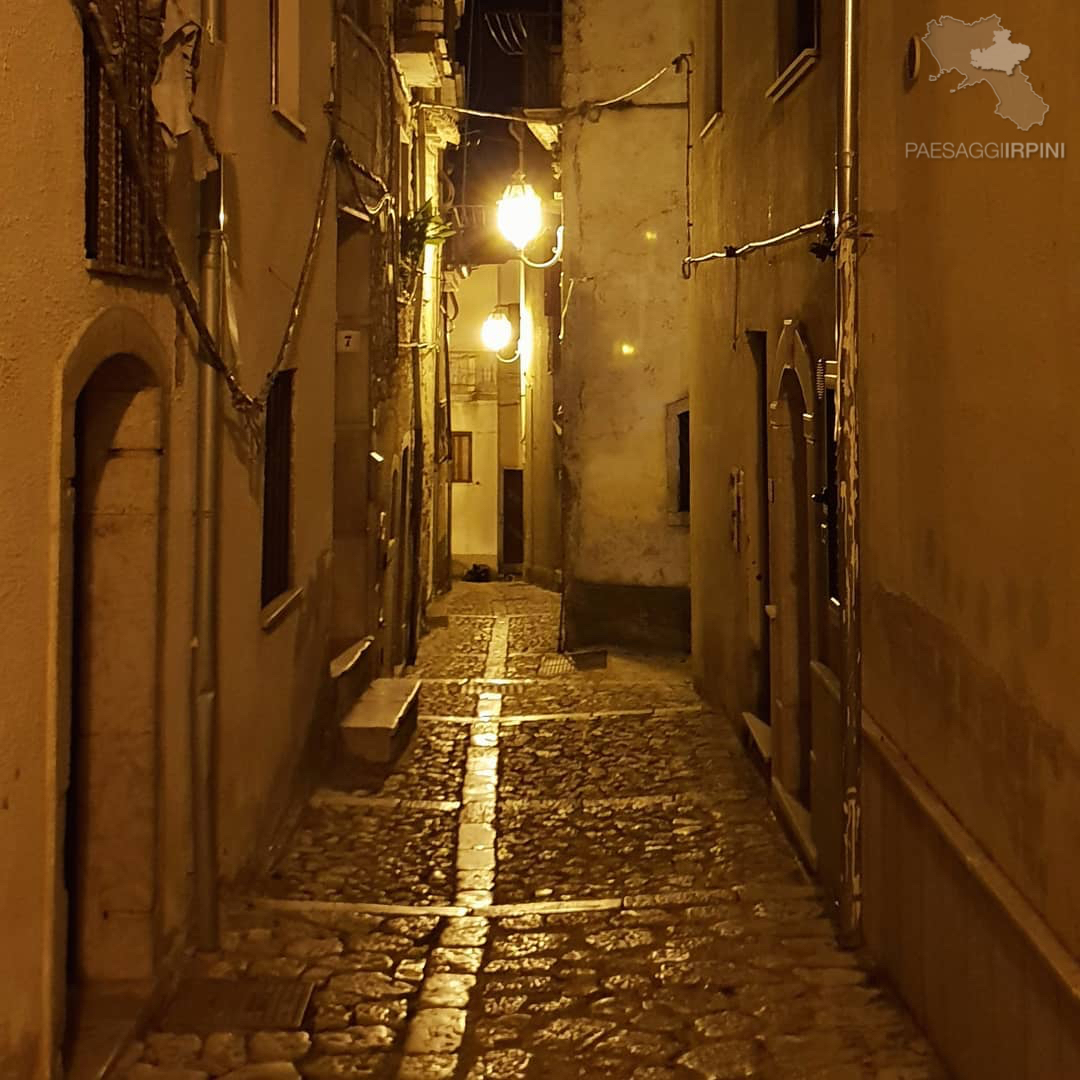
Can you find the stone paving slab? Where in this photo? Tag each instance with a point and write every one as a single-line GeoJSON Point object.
{"type": "Point", "coordinates": [618, 756]}
{"type": "Point", "coordinates": [574, 877]}
{"type": "Point", "coordinates": [650, 993]}
{"type": "Point", "coordinates": [533, 633]}
{"type": "Point", "coordinates": [565, 851]}
{"type": "Point", "coordinates": [386, 855]}
{"type": "Point", "coordinates": [431, 769]}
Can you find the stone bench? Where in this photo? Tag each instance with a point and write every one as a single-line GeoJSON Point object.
{"type": "Point", "coordinates": [377, 728]}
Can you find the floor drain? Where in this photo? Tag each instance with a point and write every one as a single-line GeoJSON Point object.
{"type": "Point", "coordinates": [208, 1005]}
{"type": "Point", "coordinates": [557, 665]}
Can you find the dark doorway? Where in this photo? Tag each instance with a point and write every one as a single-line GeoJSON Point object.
{"type": "Point", "coordinates": [110, 839]}
{"type": "Point", "coordinates": [513, 553]}
{"type": "Point", "coordinates": [401, 604]}
{"type": "Point", "coordinates": [759, 350]}
{"type": "Point", "coordinates": [789, 532]}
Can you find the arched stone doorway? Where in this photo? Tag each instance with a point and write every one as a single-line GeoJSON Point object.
{"type": "Point", "coordinates": [790, 593]}
{"type": "Point", "coordinates": [110, 827]}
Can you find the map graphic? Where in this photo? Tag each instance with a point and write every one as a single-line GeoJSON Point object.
{"type": "Point", "coordinates": [984, 52]}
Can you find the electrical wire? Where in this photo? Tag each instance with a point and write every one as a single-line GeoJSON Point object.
{"type": "Point", "coordinates": [106, 53]}
{"type": "Point", "coordinates": [246, 404]}
{"type": "Point", "coordinates": [820, 225]}
{"type": "Point", "coordinates": [565, 309]}
{"type": "Point", "coordinates": [305, 273]}
{"type": "Point", "coordinates": [585, 108]}
{"type": "Point", "coordinates": [687, 269]}
{"type": "Point", "coordinates": [589, 106]}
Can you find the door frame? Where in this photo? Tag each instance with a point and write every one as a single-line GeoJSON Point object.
{"type": "Point", "coordinates": [115, 330]}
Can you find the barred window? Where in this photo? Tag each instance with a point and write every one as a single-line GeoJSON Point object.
{"type": "Point", "coordinates": [119, 235]}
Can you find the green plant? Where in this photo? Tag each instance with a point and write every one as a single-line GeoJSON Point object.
{"type": "Point", "coordinates": [422, 227]}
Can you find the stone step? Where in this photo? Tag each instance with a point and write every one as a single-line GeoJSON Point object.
{"type": "Point", "coordinates": [377, 728]}
{"type": "Point", "coordinates": [351, 672]}
{"type": "Point", "coordinates": [760, 734]}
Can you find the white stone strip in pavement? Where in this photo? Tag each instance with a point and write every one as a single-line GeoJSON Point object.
{"type": "Point", "coordinates": [547, 718]}
{"type": "Point", "coordinates": [271, 903]}
{"type": "Point", "coordinates": [480, 914]}
{"type": "Point", "coordinates": [501, 680]}
{"type": "Point", "coordinates": [497, 649]}
{"type": "Point", "coordinates": [435, 1033]}
{"type": "Point", "coordinates": [326, 797]}
{"type": "Point", "coordinates": [553, 907]}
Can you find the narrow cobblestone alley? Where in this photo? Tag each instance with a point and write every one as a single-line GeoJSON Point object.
{"type": "Point", "coordinates": [566, 875]}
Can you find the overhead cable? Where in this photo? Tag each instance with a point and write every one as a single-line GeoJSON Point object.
{"type": "Point", "coordinates": [822, 224]}
{"type": "Point", "coordinates": [585, 108]}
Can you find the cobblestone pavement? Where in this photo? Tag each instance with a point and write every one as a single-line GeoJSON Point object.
{"type": "Point", "coordinates": [566, 875]}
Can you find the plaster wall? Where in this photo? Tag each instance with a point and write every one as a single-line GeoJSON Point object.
{"type": "Point", "coordinates": [627, 333]}
{"type": "Point", "coordinates": [476, 504]}
{"type": "Point", "coordinates": [760, 167]}
{"type": "Point", "coordinates": [968, 312]}
{"type": "Point", "coordinates": [57, 323]}
{"type": "Point", "coordinates": [274, 677]}
{"type": "Point", "coordinates": [475, 408]}
{"type": "Point", "coordinates": [543, 452]}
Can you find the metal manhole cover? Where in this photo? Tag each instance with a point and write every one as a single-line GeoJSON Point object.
{"type": "Point", "coordinates": [208, 1005]}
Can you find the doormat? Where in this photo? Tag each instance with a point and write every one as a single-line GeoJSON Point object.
{"type": "Point", "coordinates": [263, 1004]}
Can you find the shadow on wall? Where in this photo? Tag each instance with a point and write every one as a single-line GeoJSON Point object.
{"type": "Point", "coordinates": [650, 618]}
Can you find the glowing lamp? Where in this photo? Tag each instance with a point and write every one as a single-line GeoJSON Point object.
{"type": "Point", "coordinates": [520, 213]}
{"type": "Point", "coordinates": [497, 332]}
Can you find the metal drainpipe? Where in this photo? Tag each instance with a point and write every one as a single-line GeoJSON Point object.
{"type": "Point", "coordinates": [847, 351]}
{"type": "Point", "coordinates": [204, 698]}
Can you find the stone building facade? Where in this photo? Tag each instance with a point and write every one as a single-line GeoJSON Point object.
{"type": "Point", "coordinates": [326, 553]}
{"type": "Point", "coordinates": [624, 364]}
{"type": "Point", "coordinates": [950, 667]}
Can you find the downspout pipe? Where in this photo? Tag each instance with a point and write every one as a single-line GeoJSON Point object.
{"type": "Point", "coordinates": [204, 666]}
{"type": "Point", "coordinates": [847, 352]}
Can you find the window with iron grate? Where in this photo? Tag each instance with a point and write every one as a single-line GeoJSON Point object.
{"type": "Point", "coordinates": [119, 235]}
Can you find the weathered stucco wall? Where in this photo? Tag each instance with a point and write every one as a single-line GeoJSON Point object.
{"type": "Point", "coordinates": [476, 504]}
{"type": "Point", "coordinates": [475, 409]}
{"type": "Point", "coordinates": [277, 675]}
{"type": "Point", "coordinates": [627, 334]}
{"type": "Point", "coordinates": [56, 325]}
{"type": "Point", "coordinates": [49, 302]}
{"type": "Point", "coordinates": [760, 168]}
{"type": "Point", "coordinates": [968, 321]}
{"type": "Point", "coordinates": [543, 450]}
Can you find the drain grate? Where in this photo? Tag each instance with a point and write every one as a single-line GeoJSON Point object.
{"type": "Point", "coordinates": [557, 665]}
{"type": "Point", "coordinates": [208, 1005]}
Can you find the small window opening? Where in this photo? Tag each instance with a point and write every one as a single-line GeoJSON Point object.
{"type": "Point", "coordinates": [684, 462]}
{"type": "Point", "coordinates": [715, 71]}
{"type": "Point", "coordinates": [277, 489]}
{"type": "Point", "coordinates": [798, 30]}
{"type": "Point", "coordinates": [462, 464]}
{"type": "Point", "coordinates": [832, 497]}
{"type": "Point", "coordinates": [285, 24]}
